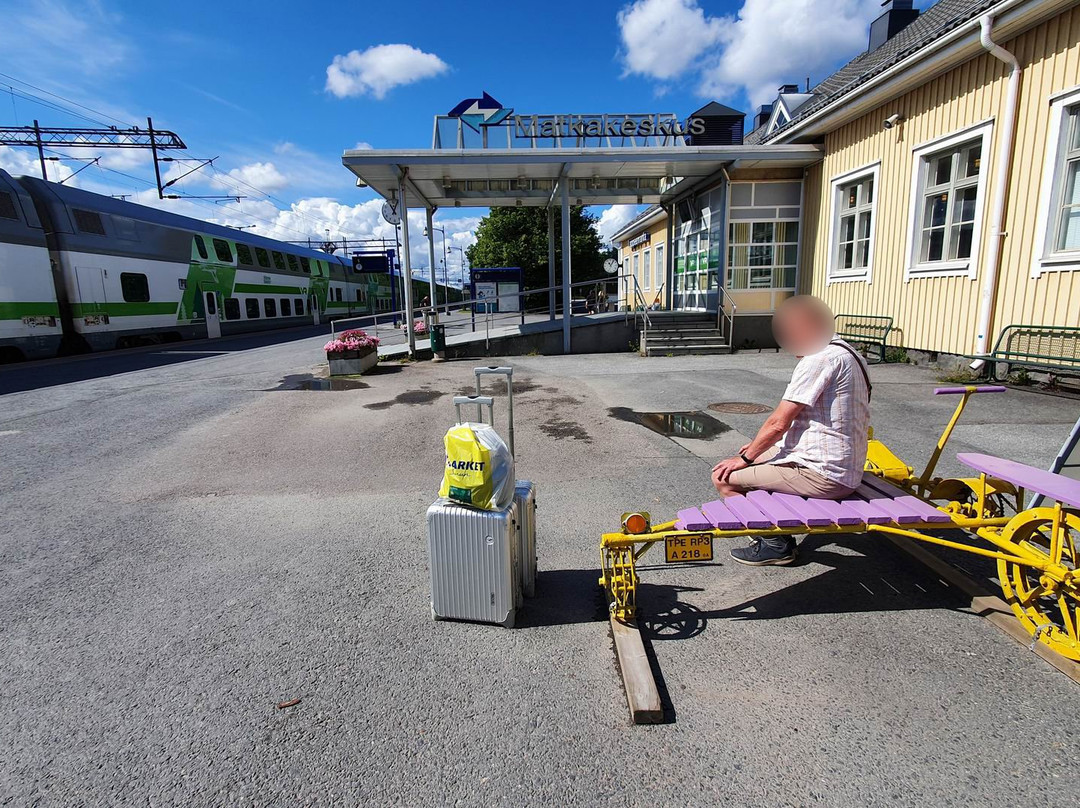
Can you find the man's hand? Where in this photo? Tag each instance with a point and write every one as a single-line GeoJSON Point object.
{"type": "Point", "coordinates": [723, 469]}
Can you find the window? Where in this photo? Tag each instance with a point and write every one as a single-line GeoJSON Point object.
{"type": "Point", "coordinates": [279, 261]}
{"type": "Point", "coordinates": [661, 269]}
{"type": "Point", "coordinates": [243, 254]}
{"type": "Point", "coordinates": [223, 251]}
{"type": "Point", "coordinates": [1059, 206]}
{"type": "Point", "coordinates": [305, 265]}
{"type": "Point", "coordinates": [337, 293]}
{"type": "Point", "coordinates": [251, 304]}
{"type": "Point", "coordinates": [200, 245]}
{"type": "Point", "coordinates": [263, 257]}
{"type": "Point", "coordinates": [286, 307]}
{"type": "Point", "coordinates": [135, 287]}
{"type": "Point", "coordinates": [762, 255]}
{"type": "Point", "coordinates": [854, 200]}
{"type": "Point", "coordinates": [298, 304]}
{"type": "Point", "coordinates": [211, 303]}
{"type": "Point", "coordinates": [947, 204]}
{"type": "Point", "coordinates": [7, 206]}
{"type": "Point", "coordinates": [1067, 235]}
{"type": "Point", "coordinates": [637, 269]}
{"type": "Point", "coordinates": [88, 221]}
{"type": "Point", "coordinates": [646, 275]}
{"type": "Point", "coordinates": [270, 307]}
{"type": "Point", "coordinates": [232, 306]}
{"type": "Point", "coordinates": [361, 295]}
{"type": "Point", "coordinates": [293, 266]}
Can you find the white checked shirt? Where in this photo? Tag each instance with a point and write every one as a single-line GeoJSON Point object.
{"type": "Point", "coordinates": [829, 436]}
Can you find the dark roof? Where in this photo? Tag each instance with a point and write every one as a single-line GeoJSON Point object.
{"type": "Point", "coordinates": [715, 108]}
{"type": "Point", "coordinates": [936, 21]}
{"type": "Point", "coordinates": [649, 211]}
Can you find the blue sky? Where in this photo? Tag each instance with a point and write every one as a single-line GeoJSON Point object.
{"type": "Point", "coordinates": [249, 83]}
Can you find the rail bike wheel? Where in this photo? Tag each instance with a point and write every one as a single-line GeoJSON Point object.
{"type": "Point", "coordinates": [1047, 602]}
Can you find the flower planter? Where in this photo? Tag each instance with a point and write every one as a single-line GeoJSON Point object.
{"type": "Point", "coordinates": [352, 363]}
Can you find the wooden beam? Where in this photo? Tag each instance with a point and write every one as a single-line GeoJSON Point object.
{"type": "Point", "coordinates": [991, 607]}
{"type": "Point", "coordinates": [642, 695]}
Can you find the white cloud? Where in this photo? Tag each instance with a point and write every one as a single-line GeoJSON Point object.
{"type": "Point", "coordinates": [379, 69]}
{"type": "Point", "coordinates": [613, 219]}
{"type": "Point", "coordinates": [77, 39]}
{"type": "Point", "coordinates": [264, 176]}
{"type": "Point", "coordinates": [661, 39]}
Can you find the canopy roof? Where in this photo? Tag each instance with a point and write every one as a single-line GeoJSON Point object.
{"type": "Point", "coordinates": [597, 176]}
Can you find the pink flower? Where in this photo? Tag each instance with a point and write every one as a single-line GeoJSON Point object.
{"type": "Point", "coordinates": [353, 340]}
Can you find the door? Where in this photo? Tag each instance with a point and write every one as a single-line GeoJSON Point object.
{"type": "Point", "coordinates": [90, 286]}
{"type": "Point", "coordinates": [213, 316]}
{"type": "Point", "coordinates": [314, 305]}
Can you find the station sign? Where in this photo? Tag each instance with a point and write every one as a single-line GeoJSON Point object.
{"type": "Point", "coordinates": [638, 240]}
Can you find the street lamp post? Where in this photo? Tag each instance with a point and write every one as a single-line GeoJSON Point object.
{"type": "Point", "coordinates": [434, 282]}
{"type": "Point", "coordinates": [462, 252]}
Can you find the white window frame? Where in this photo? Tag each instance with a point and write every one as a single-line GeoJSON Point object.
{"type": "Point", "coordinates": [1047, 258]}
{"type": "Point", "coordinates": [646, 269]}
{"type": "Point", "coordinates": [834, 274]}
{"type": "Point", "coordinates": [960, 267]}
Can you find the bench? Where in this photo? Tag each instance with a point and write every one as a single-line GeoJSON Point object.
{"type": "Point", "coordinates": [1053, 348]}
{"type": "Point", "coordinates": [865, 329]}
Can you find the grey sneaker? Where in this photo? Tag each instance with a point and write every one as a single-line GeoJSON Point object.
{"type": "Point", "coordinates": [762, 553]}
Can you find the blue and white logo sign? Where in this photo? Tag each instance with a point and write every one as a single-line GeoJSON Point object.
{"type": "Point", "coordinates": [483, 111]}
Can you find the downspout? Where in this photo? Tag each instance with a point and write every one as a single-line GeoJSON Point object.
{"type": "Point", "coordinates": [997, 210]}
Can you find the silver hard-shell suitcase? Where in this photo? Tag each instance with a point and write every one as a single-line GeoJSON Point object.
{"type": "Point", "coordinates": [525, 498]}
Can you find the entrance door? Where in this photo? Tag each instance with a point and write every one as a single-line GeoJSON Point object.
{"type": "Point", "coordinates": [314, 305]}
{"type": "Point", "coordinates": [213, 316]}
{"type": "Point", "coordinates": [90, 285]}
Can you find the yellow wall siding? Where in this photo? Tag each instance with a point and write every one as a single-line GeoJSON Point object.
{"type": "Point", "coordinates": [939, 313]}
{"type": "Point", "coordinates": [657, 236]}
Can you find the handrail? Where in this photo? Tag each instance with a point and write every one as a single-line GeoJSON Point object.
{"type": "Point", "coordinates": [638, 296]}
{"type": "Point", "coordinates": [723, 296]}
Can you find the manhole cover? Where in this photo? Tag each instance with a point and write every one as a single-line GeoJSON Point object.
{"type": "Point", "coordinates": [739, 407]}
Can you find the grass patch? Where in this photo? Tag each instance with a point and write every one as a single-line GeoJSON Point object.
{"type": "Point", "coordinates": [898, 355]}
{"type": "Point", "coordinates": [959, 376]}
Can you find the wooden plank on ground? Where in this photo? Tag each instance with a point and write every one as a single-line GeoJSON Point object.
{"type": "Point", "coordinates": [641, 693]}
{"type": "Point", "coordinates": [991, 607]}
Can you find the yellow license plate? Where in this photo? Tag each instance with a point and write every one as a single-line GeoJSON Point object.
{"type": "Point", "coordinates": [691, 547]}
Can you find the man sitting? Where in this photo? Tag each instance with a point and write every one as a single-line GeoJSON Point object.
{"type": "Point", "coordinates": [823, 419]}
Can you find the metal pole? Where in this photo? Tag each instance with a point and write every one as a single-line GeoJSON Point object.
{"type": "Point", "coordinates": [551, 262]}
{"type": "Point", "coordinates": [403, 206]}
{"type": "Point", "coordinates": [41, 151]}
{"type": "Point", "coordinates": [445, 276]}
{"type": "Point", "coordinates": [153, 153]}
{"type": "Point", "coordinates": [669, 256]}
{"type": "Point", "coordinates": [431, 258]}
{"type": "Point", "coordinates": [564, 187]}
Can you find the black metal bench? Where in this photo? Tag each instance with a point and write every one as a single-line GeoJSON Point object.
{"type": "Point", "coordinates": [1052, 348]}
{"type": "Point", "coordinates": [865, 329]}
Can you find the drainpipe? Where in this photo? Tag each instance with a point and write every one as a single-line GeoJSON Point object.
{"type": "Point", "coordinates": [997, 210]}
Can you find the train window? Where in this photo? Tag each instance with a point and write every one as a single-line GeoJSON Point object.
{"type": "Point", "coordinates": [305, 264]}
{"type": "Point", "coordinates": [293, 266]}
{"type": "Point", "coordinates": [200, 245]}
{"type": "Point", "coordinates": [232, 308]}
{"type": "Point", "coordinates": [279, 261]}
{"type": "Point", "coordinates": [243, 254]}
{"type": "Point", "coordinates": [263, 257]}
{"type": "Point", "coordinates": [135, 287]}
{"type": "Point", "coordinates": [251, 304]}
{"type": "Point", "coordinates": [7, 206]}
{"type": "Point", "coordinates": [299, 301]}
{"type": "Point", "coordinates": [223, 251]}
{"type": "Point", "coordinates": [88, 221]}
{"type": "Point", "coordinates": [338, 292]}
{"type": "Point", "coordinates": [270, 307]}
{"type": "Point", "coordinates": [286, 307]}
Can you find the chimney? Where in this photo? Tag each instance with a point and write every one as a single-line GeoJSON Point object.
{"type": "Point", "coordinates": [787, 88]}
{"type": "Point", "coordinates": [898, 15]}
{"type": "Point", "coordinates": [762, 117]}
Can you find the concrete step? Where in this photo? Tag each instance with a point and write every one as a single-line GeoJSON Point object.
{"type": "Point", "coordinates": [687, 350]}
{"type": "Point", "coordinates": [703, 339]}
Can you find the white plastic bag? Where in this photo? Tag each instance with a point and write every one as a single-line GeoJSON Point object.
{"type": "Point", "coordinates": [479, 468]}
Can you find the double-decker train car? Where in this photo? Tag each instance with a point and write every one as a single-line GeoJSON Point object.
{"type": "Point", "coordinates": [80, 271]}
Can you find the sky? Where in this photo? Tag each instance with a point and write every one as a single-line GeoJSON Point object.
{"type": "Point", "coordinates": [276, 91]}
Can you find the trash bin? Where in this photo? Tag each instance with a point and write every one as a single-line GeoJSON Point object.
{"type": "Point", "coordinates": [438, 338]}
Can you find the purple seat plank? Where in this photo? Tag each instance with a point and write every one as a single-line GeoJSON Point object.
{"type": "Point", "coordinates": [691, 519]}
{"type": "Point", "coordinates": [813, 514]}
{"type": "Point", "coordinates": [774, 509]}
{"type": "Point", "coordinates": [926, 511]}
{"type": "Point", "coordinates": [720, 517]}
{"type": "Point", "coordinates": [871, 514]}
{"type": "Point", "coordinates": [1054, 486]}
{"type": "Point", "coordinates": [747, 512]}
{"type": "Point", "coordinates": [841, 514]}
{"type": "Point", "coordinates": [901, 513]}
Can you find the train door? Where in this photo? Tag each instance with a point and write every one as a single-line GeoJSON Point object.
{"type": "Point", "coordinates": [90, 286]}
{"type": "Point", "coordinates": [315, 309]}
{"type": "Point", "coordinates": [213, 316]}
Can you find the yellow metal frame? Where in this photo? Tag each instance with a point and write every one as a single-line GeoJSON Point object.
{"type": "Point", "coordinates": [1046, 547]}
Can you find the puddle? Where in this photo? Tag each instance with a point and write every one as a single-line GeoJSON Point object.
{"type": "Point", "coordinates": [692, 424]}
{"type": "Point", "coordinates": [316, 383]}
{"type": "Point", "coordinates": [739, 407]}
{"type": "Point", "coordinates": [408, 397]}
{"type": "Point", "coordinates": [559, 428]}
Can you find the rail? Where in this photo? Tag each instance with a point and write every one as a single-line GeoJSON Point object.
{"type": "Point", "coordinates": [723, 316]}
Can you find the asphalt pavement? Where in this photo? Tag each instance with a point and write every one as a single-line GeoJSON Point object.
{"type": "Point", "coordinates": [189, 539]}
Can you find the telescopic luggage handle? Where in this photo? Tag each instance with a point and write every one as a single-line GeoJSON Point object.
{"type": "Point", "coordinates": [508, 372]}
{"type": "Point", "coordinates": [480, 402]}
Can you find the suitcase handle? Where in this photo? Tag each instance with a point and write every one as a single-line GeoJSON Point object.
{"type": "Point", "coordinates": [508, 372]}
{"type": "Point", "coordinates": [480, 402]}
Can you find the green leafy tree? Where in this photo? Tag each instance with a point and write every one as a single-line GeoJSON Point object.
{"type": "Point", "coordinates": [518, 237]}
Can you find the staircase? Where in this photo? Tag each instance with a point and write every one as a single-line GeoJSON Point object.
{"type": "Point", "coordinates": [676, 333]}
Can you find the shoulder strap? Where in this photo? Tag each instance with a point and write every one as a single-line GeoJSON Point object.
{"type": "Point", "coordinates": [858, 362]}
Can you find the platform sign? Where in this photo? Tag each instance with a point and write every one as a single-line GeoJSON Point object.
{"type": "Point", "coordinates": [497, 290]}
{"type": "Point", "coordinates": [487, 297]}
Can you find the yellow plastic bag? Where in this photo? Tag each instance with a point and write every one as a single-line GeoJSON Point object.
{"type": "Point", "coordinates": [479, 470]}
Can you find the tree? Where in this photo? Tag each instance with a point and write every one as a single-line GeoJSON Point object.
{"type": "Point", "coordinates": [518, 237]}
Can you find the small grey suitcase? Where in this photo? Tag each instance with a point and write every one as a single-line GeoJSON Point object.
{"type": "Point", "coordinates": [525, 497]}
{"type": "Point", "coordinates": [475, 560]}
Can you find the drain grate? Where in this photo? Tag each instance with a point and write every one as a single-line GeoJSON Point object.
{"type": "Point", "coordinates": [739, 407]}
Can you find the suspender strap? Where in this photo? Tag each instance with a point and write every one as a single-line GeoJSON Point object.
{"type": "Point", "coordinates": [859, 364]}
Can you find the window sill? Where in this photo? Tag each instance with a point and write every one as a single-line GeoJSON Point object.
{"type": "Point", "coordinates": [847, 277]}
{"type": "Point", "coordinates": [1066, 262]}
{"type": "Point", "coordinates": [941, 269]}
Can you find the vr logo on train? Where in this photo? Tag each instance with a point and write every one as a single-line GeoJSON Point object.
{"type": "Point", "coordinates": [696, 547]}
